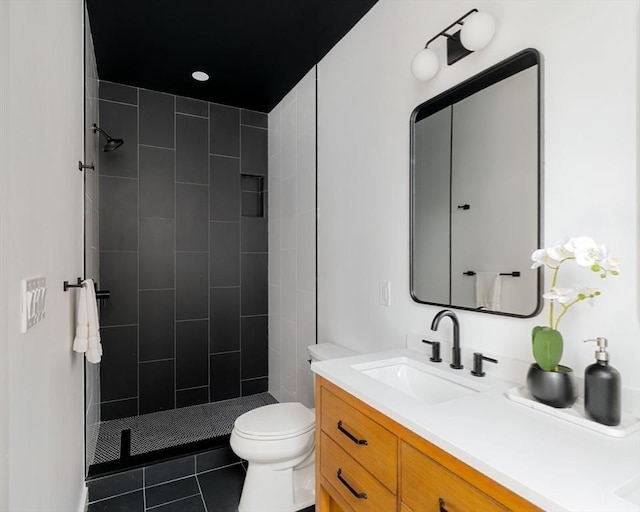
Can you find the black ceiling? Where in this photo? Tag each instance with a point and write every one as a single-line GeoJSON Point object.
{"type": "Point", "coordinates": [255, 51]}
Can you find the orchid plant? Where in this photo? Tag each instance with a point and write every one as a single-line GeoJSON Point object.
{"type": "Point", "coordinates": [547, 340]}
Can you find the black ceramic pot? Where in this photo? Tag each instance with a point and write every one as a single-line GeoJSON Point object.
{"type": "Point", "coordinates": [557, 389]}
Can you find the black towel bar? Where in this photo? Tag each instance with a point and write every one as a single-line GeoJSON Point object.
{"type": "Point", "coordinates": [100, 294]}
{"type": "Point", "coordinates": [515, 273]}
{"type": "Point", "coordinates": [66, 285]}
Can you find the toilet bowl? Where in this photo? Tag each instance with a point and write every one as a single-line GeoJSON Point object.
{"type": "Point", "coordinates": [278, 442]}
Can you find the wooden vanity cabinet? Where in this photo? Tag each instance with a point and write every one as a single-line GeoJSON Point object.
{"type": "Point", "coordinates": [365, 461]}
{"type": "Point", "coordinates": [362, 438]}
{"type": "Point", "coordinates": [428, 486]}
{"type": "Point", "coordinates": [351, 480]}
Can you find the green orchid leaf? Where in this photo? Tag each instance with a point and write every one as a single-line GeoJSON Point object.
{"type": "Point", "coordinates": [547, 348]}
{"type": "Point", "coordinates": [534, 331]}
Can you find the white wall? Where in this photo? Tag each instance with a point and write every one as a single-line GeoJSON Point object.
{"type": "Point", "coordinates": [292, 230]}
{"type": "Point", "coordinates": [365, 97]}
{"type": "Point", "coordinates": [41, 234]}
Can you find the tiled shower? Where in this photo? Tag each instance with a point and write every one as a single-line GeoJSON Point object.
{"type": "Point", "coordinates": [183, 251]}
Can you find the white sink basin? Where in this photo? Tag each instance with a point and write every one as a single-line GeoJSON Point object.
{"type": "Point", "coordinates": [422, 381]}
{"type": "Point", "coordinates": [631, 491]}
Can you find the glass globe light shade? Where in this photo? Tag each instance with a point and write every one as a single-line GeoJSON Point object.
{"type": "Point", "coordinates": [477, 31]}
{"type": "Point", "coordinates": [425, 64]}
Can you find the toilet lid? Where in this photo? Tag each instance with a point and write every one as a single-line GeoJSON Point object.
{"type": "Point", "coordinates": [276, 421]}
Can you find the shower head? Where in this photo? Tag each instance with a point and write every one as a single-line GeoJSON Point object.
{"type": "Point", "coordinates": [111, 143]}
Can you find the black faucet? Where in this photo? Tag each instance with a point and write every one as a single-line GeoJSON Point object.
{"type": "Point", "coordinates": [455, 351]}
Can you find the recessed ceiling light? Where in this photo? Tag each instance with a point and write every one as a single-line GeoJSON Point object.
{"type": "Point", "coordinates": [200, 76]}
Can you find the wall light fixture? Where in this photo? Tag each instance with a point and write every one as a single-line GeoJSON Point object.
{"type": "Point", "coordinates": [477, 31]}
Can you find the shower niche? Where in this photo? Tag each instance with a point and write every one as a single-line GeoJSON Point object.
{"type": "Point", "coordinates": [253, 200]}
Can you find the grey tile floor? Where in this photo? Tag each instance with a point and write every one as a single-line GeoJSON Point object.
{"type": "Point", "coordinates": [207, 482]}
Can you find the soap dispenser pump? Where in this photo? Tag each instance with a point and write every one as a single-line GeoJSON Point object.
{"type": "Point", "coordinates": [602, 388]}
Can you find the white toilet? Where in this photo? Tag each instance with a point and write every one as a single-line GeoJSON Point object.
{"type": "Point", "coordinates": [278, 441]}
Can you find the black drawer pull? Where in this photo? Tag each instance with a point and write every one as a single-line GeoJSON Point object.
{"type": "Point", "coordinates": [359, 495]}
{"type": "Point", "coordinates": [350, 435]}
{"type": "Point", "coordinates": [441, 502]}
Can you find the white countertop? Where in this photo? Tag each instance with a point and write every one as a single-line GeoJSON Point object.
{"type": "Point", "coordinates": [552, 463]}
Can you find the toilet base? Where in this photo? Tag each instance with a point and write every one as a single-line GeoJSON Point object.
{"type": "Point", "coordinates": [270, 490]}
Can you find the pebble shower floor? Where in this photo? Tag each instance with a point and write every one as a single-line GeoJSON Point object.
{"type": "Point", "coordinates": [175, 427]}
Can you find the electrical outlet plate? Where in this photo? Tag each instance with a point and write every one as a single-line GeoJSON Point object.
{"type": "Point", "coordinates": [34, 293]}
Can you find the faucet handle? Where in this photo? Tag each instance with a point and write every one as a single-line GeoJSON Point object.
{"type": "Point", "coordinates": [477, 364]}
{"type": "Point", "coordinates": [435, 351]}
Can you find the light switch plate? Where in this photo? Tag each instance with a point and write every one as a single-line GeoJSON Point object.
{"type": "Point", "coordinates": [34, 293]}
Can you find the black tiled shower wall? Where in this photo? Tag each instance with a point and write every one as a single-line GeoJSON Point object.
{"type": "Point", "coordinates": [187, 320]}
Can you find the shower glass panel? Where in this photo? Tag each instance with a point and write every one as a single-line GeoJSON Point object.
{"type": "Point", "coordinates": [91, 233]}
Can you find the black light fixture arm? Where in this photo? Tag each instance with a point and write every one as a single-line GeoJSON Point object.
{"type": "Point", "coordinates": [443, 32]}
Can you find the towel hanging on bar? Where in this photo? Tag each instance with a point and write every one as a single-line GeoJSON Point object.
{"type": "Point", "coordinates": [488, 290]}
{"type": "Point", "coordinates": [87, 338]}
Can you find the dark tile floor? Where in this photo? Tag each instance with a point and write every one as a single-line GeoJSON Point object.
{"type": "Point", "coordinates": [207, 482]}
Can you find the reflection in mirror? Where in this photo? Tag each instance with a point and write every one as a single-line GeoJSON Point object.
{"type": "Point", "coordinates": [475, 196]}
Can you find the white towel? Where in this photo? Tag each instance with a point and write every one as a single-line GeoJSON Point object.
{"type": "Point", "coordinates": [87, 338]}
{"type": "Point", "coordinates": [488, 290]}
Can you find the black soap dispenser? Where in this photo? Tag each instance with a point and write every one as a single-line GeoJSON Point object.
{"type": "Point", "coordinates": [602, 388]}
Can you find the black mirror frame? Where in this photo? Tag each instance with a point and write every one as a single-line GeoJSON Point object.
{"type": "Point", "coordinates": [520, 61]}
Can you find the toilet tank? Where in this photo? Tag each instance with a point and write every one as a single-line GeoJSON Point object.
{"type": "Point", "coordinates": [323, 351]}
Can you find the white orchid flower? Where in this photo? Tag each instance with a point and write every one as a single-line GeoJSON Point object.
{"type": "Point", "coordinates": [561, 295]}
{"type": "Point", "coordinates": [572, 293]}
{"type": "Point", "coordinates": [579, 242]}
{"type": "Point", "coordinates": [561, 249]}
{"type": "Point", "coordinates": [541, 257]}
{"type": "Point", "coordinates": [587, 251]}
{"type": "Point", "coordinates": [610, 264]}
{"type": "Point", "coordinates": [551, 256]}
{"type": "Point", "coordinates": [586, 293]}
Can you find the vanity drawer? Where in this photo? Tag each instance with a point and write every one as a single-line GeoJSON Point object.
{"type": "Point", "coordinates": [425, 483]}
{"type": "Point", "coordinates": [350, 479]}
{"type": "Point", "coordinates": [373, 446]}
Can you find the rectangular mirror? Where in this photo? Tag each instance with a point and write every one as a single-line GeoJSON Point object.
{"type": "Point", "coordinates": [476, 192]}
